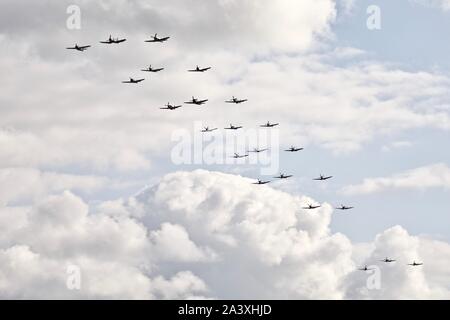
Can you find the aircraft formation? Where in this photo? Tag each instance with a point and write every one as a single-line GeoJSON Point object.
{"type": "Point", "coordinates": [387, 260]}
{"type": "Point", "coordinates": [233, 100]}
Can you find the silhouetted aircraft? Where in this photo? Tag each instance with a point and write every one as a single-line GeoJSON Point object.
{"type": "Point", "coordinates": [78, 48]}
{"type": "Point", "coordinates": [415, 264]}
{"type": "Point", "coordinates": [133, 80]}
{"type": "Point", "coordinates": [150, 69]}
{"type": "Point", "coordinates": [256, 150]}
{"type": "Point", "coordinates": [310, 206]}
{"type": "Point", "coordinates": [237, 156]}
{"type": "Point", "coordinates": [293, 149]}
{"type": "Point", "coordinates": [342, 207]}
{"type": "Point", "coordinates": [283, 176]}
{"type": "Point", "coordinates": [112, 40]}
{"type": "Point", "coordinates": [269, 125]}
{"type": "Point", "coordinates": [196, 101]}
{"type": "Point", "coordinates": [171, 107]}
{"type": "Point", "coordinates": [261, 182]}
{"type": "Point", "coordinates": [233, 127]}
{"type": "Point", "coordinates": [235, 100]}
{"type": "Point", "coordinates": [207, 129]}
{"type": "Point", "coordinates": [321, 177]}
{"type": "Point", "coordinates": [387, 260]}
{"type": "Point", "coordinates": [365, 269]}
{"type": "Point", "coordinates": [156, 39]}
{"type": "Point", "coordinates": [197, 69]}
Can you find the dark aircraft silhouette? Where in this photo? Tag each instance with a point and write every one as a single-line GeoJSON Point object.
{"type": "Point", "coordinates": [293, 149]}
{"type": "Point", "coordinates": [269, 125]}
{"type": "Point", "coordinates": [321, 178]}
{"type": "Point", "coordinates": [196, 101]}
{"type": "Point", "coordinates": [156, 39]}
{"type": "Point", "coordinates": [237, 156]}
{"type": "Point", "coordinates": [207, 129]}
{"type": "Point", "coordinates": [261, 182]}
{"type": "Point", "coordinates": [78, 48]}
{"type": "Point", "coordinates": [197, 69]}
{"type": "Point", "coordinates": [283, 176]}
{"type": "Point", "coordinates": [387, 260]}
{"type": "Point", "coordinates": [415, 264]}
{"type": "Point", "coordinates": [365, 268]}
{"type": "Point", "coordinates": [133, 80]}
{"type": "Point", "coordinates": [342, 207]}
{"type": "Point", "coordinates": [171, 107]}
{"type": "Point", "coordinates": [310, 207]}
{"type": "Point", "coordinates": [112, 40]}
{"type": "Point", "coordinates": [235, 100]}
{"type": "Point", "coordinates": [256, 150]}
{"type": "Point", "coordinates": [233, 127]}
{"type": "Point", "coordinates": [150, 69]}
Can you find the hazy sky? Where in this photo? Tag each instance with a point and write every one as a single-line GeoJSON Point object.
{"type": "Point", "coordinates": [90, 173]}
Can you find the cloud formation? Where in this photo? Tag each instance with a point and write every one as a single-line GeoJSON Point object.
{"type": "Point", "coordinates": [205, 234]}
{"type": "Point", "coordinates": [432, 176]}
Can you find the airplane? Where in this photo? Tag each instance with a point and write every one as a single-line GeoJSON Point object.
{"type": "Point", "coordinates": [365, 269]}
{"type": "Point", "coordinates": [133, 81]}
{"type": "Point", "coordinates": [310, 206]}
{"type": "Point", "coordinates": [387, 260]}
{"type": "Point", "coordinates": [321, 178]}
{"type": "Point", "coordinates": [78, 48]}
{"type": "Point", "coordinates": [257, 150]}
{"type": "Point", "coordinates": [236, 100]}
{"type": "Point", "coordinates": [293, 149]}
{"type": "Point", "coordinates": [150, 69]}
{"type": "Point", "coordinates": [197, 69]}
{"type": "Point", "coordinates": [261, 182]}
{"type": "Point", "coordinates": [342, 207]}
{"type": "Point", "coordinates": [197, 102]}
{"type": "Point", "coordinates": [269, 125]}
{"type": "Point", "coordinates": [156, 39]}
{"type": "Point", "coordinates": [237, 156]}
{"type": "Point", "coordinates": [283, 176]}
{"type": "Point", "coordinates": [415, 264]}
{"type": "Point", "coordinates": [112, 40]}
{"type": "Point", "coordinates": [207, 129]}
{"type": "Point", "coordinates": [171, 107]}
{"type": "Point", "coordinates": [233, 127]}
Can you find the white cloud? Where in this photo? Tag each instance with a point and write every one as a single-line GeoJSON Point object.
{"type": "Point", "coordinates": [25, 183]}
{"type": "Point", "coordinates": [432, 176]}
{"type": "Point", "coordinates": [172, 243]}
{"type": "Point", "coordinates": [202, 235]}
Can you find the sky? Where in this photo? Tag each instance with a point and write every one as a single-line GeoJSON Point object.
{"type": "Point", "coordinates": [105, 195]}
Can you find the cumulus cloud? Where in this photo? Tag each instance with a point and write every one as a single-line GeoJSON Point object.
{"type": "Point", "coordinates": [204, 234]}
{"type": "Point", "coordinates": [432, 176]}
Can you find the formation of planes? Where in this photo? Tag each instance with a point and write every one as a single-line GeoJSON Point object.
{"type": "Point", "coordinates": [387, 260]}
{"type": "Point", "coordinates": [233, 100]}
